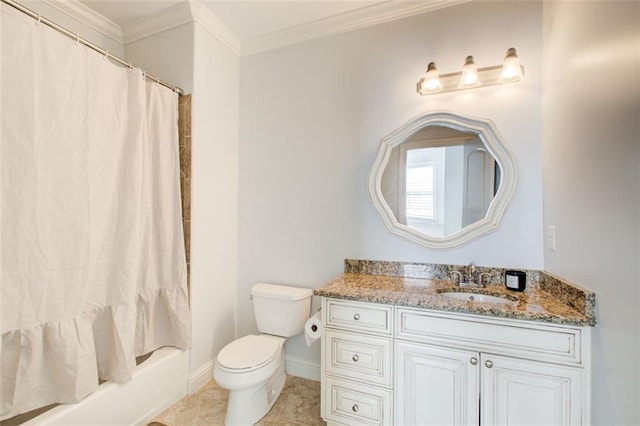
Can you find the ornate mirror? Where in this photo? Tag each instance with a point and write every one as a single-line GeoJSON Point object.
{"type": "Point", "coordinates": [442, 180]}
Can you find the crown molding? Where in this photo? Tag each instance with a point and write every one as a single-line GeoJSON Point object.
{"type": "Point", "coordinates": [194, 11]}
{"type": "Point", "coordinates": [359, 18]}
{"type": "Point", "coordinates": [210, 22]}
{"type": "Point", "coordinates": [88, 17]}
{"type": "Point", "coordinates": [163, 20]}
{"type": "Point", "coordinates": [181, 14]}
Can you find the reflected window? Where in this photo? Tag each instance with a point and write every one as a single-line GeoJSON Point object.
{"type": "Point", "coordinates": [420, 191]}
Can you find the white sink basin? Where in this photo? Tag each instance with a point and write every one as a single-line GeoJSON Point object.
{"type": "Point", "coordinates": [474, 297]}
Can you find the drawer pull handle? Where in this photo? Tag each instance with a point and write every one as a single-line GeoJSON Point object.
{"type": "Point", "coordinates": [473, 360]}
{"type": "Point", "coordinates": [355, 358]}
{"type": "Point", "coordinates": [355, 408]}
{"type": "Point", "coordinates": [356, 317]}
{"type": "Point", "coordinates": [488, 364]}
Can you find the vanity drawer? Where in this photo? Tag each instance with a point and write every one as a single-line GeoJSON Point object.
{"type": "Point", "coordinates": [358, 356]}
{"type": "Point", "coordinates": [352, 404]}
{"type": "Point", "coordinates": [539, 342]}
{"type": "Point", "coordinates": [358, 316]}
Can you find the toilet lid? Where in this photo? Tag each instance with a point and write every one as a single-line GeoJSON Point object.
{"type": "Point", "coordinates": [249, 352]}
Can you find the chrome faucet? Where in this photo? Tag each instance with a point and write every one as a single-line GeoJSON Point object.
{"type": "Point", "coordinates": [472, 279]}
{"type": "Point", "coordinates": [471, 276]}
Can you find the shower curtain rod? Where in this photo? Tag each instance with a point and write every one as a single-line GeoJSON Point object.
{"type": "Point", "coordinates": [87, 43]}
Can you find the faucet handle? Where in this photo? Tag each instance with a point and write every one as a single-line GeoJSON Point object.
{"type": "Point", "coordinates": [484, 274]}
{"type": "Point", "coordinates": [453, 273]}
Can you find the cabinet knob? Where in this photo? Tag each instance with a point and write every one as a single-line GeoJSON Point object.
{"type": "Point", "coordinates": [488, 364]}
{"type": "Point", "coordinates": [473, 360]}
{"type": "Point", "coordinates": [355, 408]}
{"type": "Point", "coordinates": [356, 317]}
{"type": "Point", "coordinates": [355, 358]}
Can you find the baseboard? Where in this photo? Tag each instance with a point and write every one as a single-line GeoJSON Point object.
{"type": "Point", "coordinates": [200, 377]}
{"type": "Point", "coordinates": [302, 368]}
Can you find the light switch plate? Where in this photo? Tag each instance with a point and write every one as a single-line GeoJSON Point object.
{"type": "Point", "coordinates": [551, 237]}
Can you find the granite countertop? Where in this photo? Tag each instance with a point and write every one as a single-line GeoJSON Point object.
{"type": "Point", "coordinates": [570, 305]}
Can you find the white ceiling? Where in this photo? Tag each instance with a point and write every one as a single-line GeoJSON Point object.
{"type": "Point", "coordinates": [123, 12]}
{"type": "Point", "coordinates": [246, 19]}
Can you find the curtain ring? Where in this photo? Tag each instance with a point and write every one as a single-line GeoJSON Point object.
{"type": "Point", "coordinates": [39, 19]}
{"type": "Point", "coordinates": [106, 54]}
{"type": "Point", "coordinates": [77, 39]}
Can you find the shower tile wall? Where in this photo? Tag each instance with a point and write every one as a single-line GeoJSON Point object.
{"type": "Point", "coordinates": [184, 133]}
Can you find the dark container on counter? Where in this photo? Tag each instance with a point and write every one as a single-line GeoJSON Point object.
{"type": "Point", "coordinates": [515, 280]}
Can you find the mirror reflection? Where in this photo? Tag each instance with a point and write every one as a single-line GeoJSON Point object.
{"type": "Point", "coordinates": [440, 180]}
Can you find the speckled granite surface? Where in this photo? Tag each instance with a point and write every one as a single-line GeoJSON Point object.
{"type": "Point", "coordinates": [571, 294]}
{"type": "Point", "coordinates": [547, 298]}
{"type": "Point", "coordinates": [432, 271]}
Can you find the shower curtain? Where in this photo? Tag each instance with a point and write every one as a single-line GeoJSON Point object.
{"type": "Point", "coordinates": [92, 259]}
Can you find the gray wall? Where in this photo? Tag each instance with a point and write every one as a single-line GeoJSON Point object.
{"type": "Point", "coordinates": [592, 183]}
{"type": "Point", "coordinates": [311, 120]}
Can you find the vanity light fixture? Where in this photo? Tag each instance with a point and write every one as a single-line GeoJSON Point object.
{"type": "Point", "coordinates": [511, 69]}
{"type": "Point", "coordinates": [471, 76]}
{"type": "Point", "coordinates": [431, 82]}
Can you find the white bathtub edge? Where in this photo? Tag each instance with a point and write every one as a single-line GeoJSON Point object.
{"type": "Point", "coordinates": [156, 384]}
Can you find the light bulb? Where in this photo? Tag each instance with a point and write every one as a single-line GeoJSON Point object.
{"type": "Point", "coordinates": [511, 70]}
{"type": "Point", "coordinates": [469, 76]}
{"type": "Point", "coordinates": [431, 82]}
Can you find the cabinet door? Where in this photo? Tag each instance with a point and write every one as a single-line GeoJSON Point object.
{"type": "Point", "coordinates": [520, 392]}
{"type": "Point", "coordinates": [436, 386]}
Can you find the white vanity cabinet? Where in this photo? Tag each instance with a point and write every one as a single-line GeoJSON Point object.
{"type": "Point", "coordinates": [435, 386]}
{"type": "Point", "coordinates": [439, 386]}
{"type": "Point", "coordinates": [521, 392]}
{"type": "Point", "coordinates": [461, 369]}
{"type": "Point", "coordinates": [453, 369]}
{"type": "Point", "coordinates": [357, 363]}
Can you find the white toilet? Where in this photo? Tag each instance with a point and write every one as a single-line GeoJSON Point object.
{"type": "Point", "coordinates": [252, 367]}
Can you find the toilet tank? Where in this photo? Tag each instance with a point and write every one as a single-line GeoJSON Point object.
{"type": "Point", "coordinates": [281, 310]}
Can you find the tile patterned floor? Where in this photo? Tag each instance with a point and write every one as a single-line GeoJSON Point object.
{"type": "Point", "coordinates": [298, 405]}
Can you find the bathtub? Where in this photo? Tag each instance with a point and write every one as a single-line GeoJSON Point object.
{"type": "Point", "coordinates": [157, 383]}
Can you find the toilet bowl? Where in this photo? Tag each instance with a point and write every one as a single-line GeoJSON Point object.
{"type": "Point", "coordinates": [252, 367]}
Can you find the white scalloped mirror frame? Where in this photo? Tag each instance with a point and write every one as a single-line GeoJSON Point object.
{"type": "Point", "coordinates": [489, 135]}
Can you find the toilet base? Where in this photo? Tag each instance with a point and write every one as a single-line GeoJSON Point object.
{"type": "Point", "coordinates": [248, 406]}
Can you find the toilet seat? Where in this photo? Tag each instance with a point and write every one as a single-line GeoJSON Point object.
{"type": "Point", "coordinates": [249, 353]}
